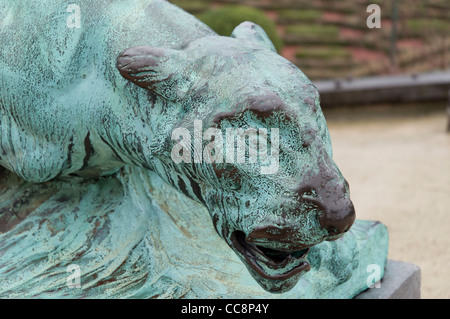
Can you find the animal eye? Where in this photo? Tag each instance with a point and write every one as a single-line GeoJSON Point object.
{"type": "Point", "coordinates": [228, 177]}
{"type": "Point", "coordinates": [233, 185]}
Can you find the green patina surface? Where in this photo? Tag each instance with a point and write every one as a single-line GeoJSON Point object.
{"type": "Point", "coordinates": [134, 236]}
{"type": "Point", "coordinates": [88, 137]}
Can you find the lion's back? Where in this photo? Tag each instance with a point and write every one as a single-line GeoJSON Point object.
{"type": "Point", "coordinates": [58, 79]}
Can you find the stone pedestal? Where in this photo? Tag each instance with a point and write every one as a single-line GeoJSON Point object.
{"type": "Point", "coordinates": [401, 281]}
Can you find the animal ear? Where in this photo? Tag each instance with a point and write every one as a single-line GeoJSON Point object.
{"type": "Point", "coordinates": [156, 69]}
{"type": "Point", "coordinates": [254, 33]}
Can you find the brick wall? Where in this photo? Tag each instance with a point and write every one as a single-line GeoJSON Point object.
{"type": "Point", "coordinates": [329, 39]}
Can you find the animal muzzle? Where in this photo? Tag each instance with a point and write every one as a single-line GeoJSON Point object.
{"type": "Point", "coordinates": [327, 194]}
{"type": "Point", "coordinates": [335, 219]}
{"type": "Point", "coordinates": [276, 250]}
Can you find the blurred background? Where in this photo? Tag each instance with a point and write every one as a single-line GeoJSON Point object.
{"type": "Point", "coordinates": [386, 96]}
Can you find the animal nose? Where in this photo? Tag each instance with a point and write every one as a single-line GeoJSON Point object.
{"type": "Point", "coordinates": [337, 219]}
{"type": "Point", "coordinates": [329, 192]}
{"type": "Point", "coordinates": [337, 212]}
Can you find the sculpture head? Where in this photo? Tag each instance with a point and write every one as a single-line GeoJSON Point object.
{"type": "Point", "coordinates": [271, 210]}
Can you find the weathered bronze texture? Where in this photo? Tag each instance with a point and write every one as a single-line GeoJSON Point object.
{"type": "Point", "coordinates": [87, 122]}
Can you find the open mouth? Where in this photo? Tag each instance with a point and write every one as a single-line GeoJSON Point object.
{"type": "Point", "coordinates": [270, 263]}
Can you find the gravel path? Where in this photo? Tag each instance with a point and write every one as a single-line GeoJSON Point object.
{"type": "Point", "coordinates": [397, 162]}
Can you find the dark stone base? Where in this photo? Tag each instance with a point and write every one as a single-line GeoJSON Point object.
{"type": "Point", "coordinates": [401, 281]}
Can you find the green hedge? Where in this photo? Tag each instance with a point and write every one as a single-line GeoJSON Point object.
{"type": "Point", "coordinates": [299, 15]}
{"type": "Point", "coordinates": [313, 30]}
{"type": "Point", "coordinates": [324, 53]}
{"type": "Point", "coordinates": [424, 26]}
{"type": "Point", "coordinates": [223, 21]}
{"type": "Point", "coordinates": [193, 6]}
